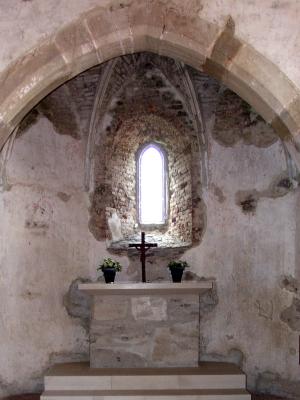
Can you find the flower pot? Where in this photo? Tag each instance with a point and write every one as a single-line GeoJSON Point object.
{"type": "Point", "coordinates": [176, 274]}
{"type": "Point", "coordinates": [109, 274]}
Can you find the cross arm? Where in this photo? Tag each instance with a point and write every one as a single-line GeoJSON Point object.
{"type": "Point", "coordinates": [137, 246]}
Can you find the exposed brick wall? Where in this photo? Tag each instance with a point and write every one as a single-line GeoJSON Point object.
{"type": "Point", "coordinates": [235, 121]}
{"type": "Point", "coordinates": [180, 220]}
{"type": "Point", "coordinates": [120, 179]}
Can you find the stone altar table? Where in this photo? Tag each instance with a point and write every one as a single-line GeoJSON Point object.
{"type": "Point", "coordinates": [145, 324]}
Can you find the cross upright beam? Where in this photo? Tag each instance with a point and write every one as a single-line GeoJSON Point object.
{"type": "Point", "coordinates": [143, 247]}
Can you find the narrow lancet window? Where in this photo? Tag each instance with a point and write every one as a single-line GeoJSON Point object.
{"type": "Point", "coordinates": [152, 186]}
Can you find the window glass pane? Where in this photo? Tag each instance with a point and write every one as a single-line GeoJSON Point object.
{"type": "Point", "coordinates": [151, 186]}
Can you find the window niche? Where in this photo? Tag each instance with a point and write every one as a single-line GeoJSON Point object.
{"type": "Point", "coordinates": [116, 209]}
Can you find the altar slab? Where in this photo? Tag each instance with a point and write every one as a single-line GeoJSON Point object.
{"type": "Point", "coordinates": [146, 289]}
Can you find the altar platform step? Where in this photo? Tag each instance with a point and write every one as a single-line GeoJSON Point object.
{"type": "Point", "coordinates": [196, 394]}
{"type": "Point", "coordinates": [79, 376]}
{"type": "Point", "coordinates": [209, 381]}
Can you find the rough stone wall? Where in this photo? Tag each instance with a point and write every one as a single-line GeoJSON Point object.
{"type": "Point", "coordinates": [180, 218]}
{"type": "Point", "coordinates": [236, 121]}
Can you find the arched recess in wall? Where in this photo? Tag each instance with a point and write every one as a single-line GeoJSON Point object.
{"type": "Point", "coordinates": [110, 31]}
{"type": "Point", "coordinates": [115, 191]}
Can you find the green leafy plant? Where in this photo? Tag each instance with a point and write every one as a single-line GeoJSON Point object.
{"type": "Point", "coordinates": [109, 263]}
{"type": "Point", "coordinates": [180, 264]}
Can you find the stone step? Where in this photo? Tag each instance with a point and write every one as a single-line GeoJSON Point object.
{"type": "Point", "coordinates": [204, 394]}
{"type": "Point", "coordinates": [79, 376]}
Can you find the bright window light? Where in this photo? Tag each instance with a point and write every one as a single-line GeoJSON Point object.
{"type": "Point", "coordinates": [152, 185]}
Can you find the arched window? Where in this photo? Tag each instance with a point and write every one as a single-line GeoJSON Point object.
{"type": "Point", "coordinates": [152, 185]}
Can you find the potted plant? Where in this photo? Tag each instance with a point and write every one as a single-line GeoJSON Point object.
{"type": "Point", "coordinates": [109, 268]}
{"type": "Point", "coordinates": [177, 268]}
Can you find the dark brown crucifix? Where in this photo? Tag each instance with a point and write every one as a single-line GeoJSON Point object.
{"type": "Point", "coordinates": [143, 247]}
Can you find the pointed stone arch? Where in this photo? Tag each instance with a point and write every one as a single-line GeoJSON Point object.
{"type": "Point", "coordinates": [123, 28]}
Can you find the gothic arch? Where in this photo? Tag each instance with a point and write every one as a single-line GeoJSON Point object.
{"type": "Point", "coordinates": [123, 28]}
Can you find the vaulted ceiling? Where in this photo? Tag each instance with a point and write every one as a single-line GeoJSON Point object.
{"type": "Point", "coordinates": [98, 99]}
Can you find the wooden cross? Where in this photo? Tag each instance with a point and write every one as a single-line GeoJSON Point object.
{"type": "Point", "coordinates": [143, 247]}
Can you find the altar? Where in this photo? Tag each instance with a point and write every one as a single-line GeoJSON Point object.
{"type": "Point", "coordinates": [145, 324]}
{"type": "Point", "coordinates": [144, 345]}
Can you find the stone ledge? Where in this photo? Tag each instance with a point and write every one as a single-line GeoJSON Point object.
{"type": "Point", "coordinates": [164, 288]}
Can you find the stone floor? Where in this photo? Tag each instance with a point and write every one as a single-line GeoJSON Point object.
{"type": "Point", "coordinates": [37, 396]}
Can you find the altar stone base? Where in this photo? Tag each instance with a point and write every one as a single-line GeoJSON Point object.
{"type": "Point", "coordinates": [145, 325]}
{"type": "Point", "coordinates": [145, 331]}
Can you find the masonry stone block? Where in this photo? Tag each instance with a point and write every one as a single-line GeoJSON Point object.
{"type": "Point", "coordinates": [183, 308]}
{"type": "Point", "coordinates": [242, 85]}
{"type": "Point", "coordinates": [30, 69]}
{"type": "Point", "coordinates": [111, 32]}
{"type": "Point", "coordinates": [156, 330]}
{"type": "Point", "coordinates": [200, 33]}
{"type": "Point", "coordinates": [111, 308]}
{"type": "Point", "coordinates": [149, 308]}
{"type": "Point", "coordinates": [177, 339]}
{"type": "Point", "coordinates": [281, 129]}
{"type": "Point", "coordinates": [176, 47]}
{"type": "Point", "coordinates": [225, 48]}
{"type": "Point", "coordinates": [113, 358]}
{"type": "Point", "coordinates": [150, 18]}
{"type": "Point", "coordinates": [29, 79]}
{"type": "Point", "coordinates": [290, 117]}
{"type": "Point", "coordinates": [264, 77]}
{"type": "Point", "coordinates": [146, 26]}
{"type": "Point", "coordinates": [77, 47]}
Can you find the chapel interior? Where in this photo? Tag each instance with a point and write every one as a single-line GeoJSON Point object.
{"type": "Point", "coordinates": [146, 141]}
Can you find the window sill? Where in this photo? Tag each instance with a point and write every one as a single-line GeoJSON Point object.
{"type": "Point", "coordinates": [163, 241]}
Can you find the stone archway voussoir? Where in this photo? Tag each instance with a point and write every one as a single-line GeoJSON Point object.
{"type": "Point", "coordinates": [264, 77]}
{"type": "Point", "coordinates": [28, 80]}
{"type": "Point", "coordinates": [269, 91]}
{"type": "Point", "coordinates": [290, 117]}
{"type": "Point", "coordinates": [110, 32]}
{"type": "Point", "coordinates": [257, 81]}
{"type": "Point", "coordinates": [77, 47]}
